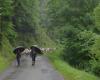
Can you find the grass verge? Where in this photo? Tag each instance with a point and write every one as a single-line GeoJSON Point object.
{"type": "Point", "coordinates": [6, 54]}
{"type": "Point", "coordinates": [67, 71]}
{"type": "Point", "coordinates": [3, 64]}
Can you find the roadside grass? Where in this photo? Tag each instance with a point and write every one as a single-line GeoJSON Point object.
{"type": "Point", "coordinates": [3, 64]}
{"type": "Point", "coordinates": [6, 55]}
{"type": "Point", "coordinates": [67, 71]}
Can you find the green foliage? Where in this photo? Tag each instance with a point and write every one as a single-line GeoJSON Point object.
{"type": "Point", "coordinates": [6, 54]}
{"type": "Point", "coordinates": [7, 49]}
{"type": "Point", "coordinates": [6, 8]}
{"type": "Point", "coordinates": [71, 22]}
{"type": "Point", "coordinates": [7, 33]}
{"type": "Point", "coordinates": [82, 50]}
{"type": "Point", "coordinates": [68, 72]}
{"type": "Point", "coordinates": [43, 39]}
{"type": "Point", "coordinates": [95, 50]}
{"type": "Point", "coordinates": [3, 63]}
{"type": "Point", "coordinates": [27, 24]}
{"type": "Point", "coordinates": [77, 48]}
{"type": "Point", "coordinates": [74, 12]}
{"type": "Point", "coordinates": [97, 17]}
{"type": "Point", "coordinates": [6, 26]}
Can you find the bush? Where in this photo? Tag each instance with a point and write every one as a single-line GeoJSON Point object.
{"type": "Point", "coordinates": [95, 50]}
{"type": "Point", "coordinates": [82, 50]}
{"type": "Point", "coordinates": [96, 70]}
{"type": "Point", "coordinates": [66, 70]}
{"type": "Point", "coordinates": [77, 49]}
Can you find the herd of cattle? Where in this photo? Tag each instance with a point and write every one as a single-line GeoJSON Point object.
{"type": "Point", "coordinates": [44, 50]}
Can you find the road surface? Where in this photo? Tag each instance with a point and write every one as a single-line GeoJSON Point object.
{"type": "Point", "coordinates": [43, 70]}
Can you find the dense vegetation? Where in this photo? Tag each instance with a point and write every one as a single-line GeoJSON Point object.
{"type": "Point", "coordinates": [69, 72]}
{"type": "Point", "coordinates": [75, 24]}
{"type": "Point", "coordinates": [20, 26]}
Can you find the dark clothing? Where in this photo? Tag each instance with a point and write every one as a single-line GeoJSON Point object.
{"type": "Point", "coordinates": [18, 56]}
{"type": "Point", "coordinates": [18, 61]}
{"type": "Point", "coordinates": [33, 55]}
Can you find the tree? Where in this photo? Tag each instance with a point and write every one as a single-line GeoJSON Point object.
{"type": "Point", "coordinates": [97, 17]}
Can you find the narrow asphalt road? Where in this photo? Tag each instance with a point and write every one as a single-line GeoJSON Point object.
{"type": "Point", "coordinates": [42, 70]}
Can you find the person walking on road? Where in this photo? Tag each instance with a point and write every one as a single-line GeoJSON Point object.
{"type": "Point", "coordinates": [18, 56]}
{"type": "Point", "coordinates": [18, 50]}
{"type": "Point", "coordinates": [33, 54]}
